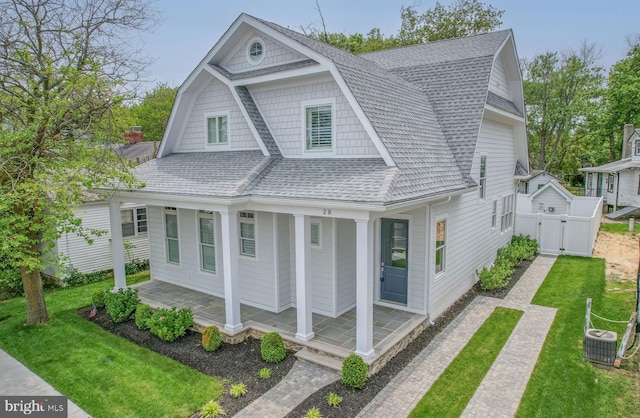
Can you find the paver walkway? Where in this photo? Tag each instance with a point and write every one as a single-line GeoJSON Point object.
{"type": "Point", "coordinates": [500, 392]}
{"type": "Point", "coordinates": [17, 380]}
{"type": "Point", "coordinates": [302, 380]}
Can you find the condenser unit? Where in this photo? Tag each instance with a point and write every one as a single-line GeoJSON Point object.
{"type": "Point", "coordinates": [600, 346]}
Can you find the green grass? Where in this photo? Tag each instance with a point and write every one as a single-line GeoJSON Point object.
{"type": "Point", "coordinates": [563, 383]}
{"type": "Point", "coordinates": [450, 394]}
{"type": "Point", "coordinates": [105, 375]}
{"type": "Point", "coordinates": [619, 228]}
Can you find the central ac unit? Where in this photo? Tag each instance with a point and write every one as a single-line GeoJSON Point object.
{"type": "Point", "coordinates": [600, 346]}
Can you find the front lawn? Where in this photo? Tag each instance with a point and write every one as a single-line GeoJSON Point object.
{"type": "Point", "coordinates": [563, 383]}
{"type": "Point", "coordinates": [105, 375]}
{"type": "Point", "coordinates": [619, 228]}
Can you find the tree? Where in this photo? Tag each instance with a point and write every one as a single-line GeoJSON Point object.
{"type": "Point", "coordinates": [153, 113]}
{"type": "Point", "coordinates": [63, 68]}
{"type": "Point", "coordinates": [562, 92]}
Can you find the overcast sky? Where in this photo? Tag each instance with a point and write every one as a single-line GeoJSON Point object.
{"type": "Point", "coordinates": [189, 28]}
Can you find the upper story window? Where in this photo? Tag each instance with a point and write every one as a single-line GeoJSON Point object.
{"type": "Point", "coordinates": [255, 51]}
{"type": "Point", "coordinates": [319, 127]}
{"type": "Point", "coordinates": [483, 176]}
{"type": "Point", "coordinates": [217, 129]}
{"type": "Point", "coordinates": [134, 222]}
{"type": "Point", "coordinates": [610, 181]}
{"type": "Point", "coordinates": [247, 234]}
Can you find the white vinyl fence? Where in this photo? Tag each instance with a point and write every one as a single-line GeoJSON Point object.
{"type": "Point", "coordinates": [573, 234]}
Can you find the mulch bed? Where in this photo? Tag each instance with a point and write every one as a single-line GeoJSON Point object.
{"type": "Point", "coordinates": [240, 363]}
{"type": "Point", "coordinates": [231, 363]}
{"type": "Point", "coordinates": [354, 400]}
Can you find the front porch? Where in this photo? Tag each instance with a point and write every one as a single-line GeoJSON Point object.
{"type": "Point", "coordinates": [335, 338]}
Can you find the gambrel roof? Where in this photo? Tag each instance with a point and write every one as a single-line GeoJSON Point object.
{"type": "Point", "coordinates": [422, 106]}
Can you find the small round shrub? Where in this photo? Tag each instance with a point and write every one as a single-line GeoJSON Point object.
{"type": "Point", "coordinates": [121, 305]}
{"type": "Point", "coordinates": [272, 348]}
{"type": "Point", "coordinates": [98, 298]}
{"type": "Point", "coordinates": [143, 314]}
{"type": "Point", "coordinates": [354, 372]}
{"type": "Point", "coordinates": [169, 324]}
{"type": "Point", "coordinates": [238, 390]}
{"type": "Point", "coordinates": [313, 413]}
{"type": "Point", "coordinates": [211, 339]}
{"type": "Point", "coordinates": [212, 409]}
{"type": "Point", "coordinates": [264, 373]}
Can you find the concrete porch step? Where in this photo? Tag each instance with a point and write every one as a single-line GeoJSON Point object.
{"type": "Point", "coordinates": [326, 362]}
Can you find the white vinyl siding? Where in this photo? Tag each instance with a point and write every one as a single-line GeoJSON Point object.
{"type": "Point", "coordinates": [247, 234]}
{"type": "Point", "coordinates": [207, 242]}
{"type": "Point", "coordinates": [273, 53]}
{"type": "Point", "coordinates": [499, 82]}
{"type": "Point", "coordinates": [171, 235]}
{"type": "Point", "coordinates": [547, 199]}
{"type": "Point", "coordinates": [217, 130]}
{"type": "Point", "coordinates": [319, 131]}
{"type": "Point", "coordinates": [345, 265]}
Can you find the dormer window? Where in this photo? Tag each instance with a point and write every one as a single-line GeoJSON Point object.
{"type": "Point", "coordinates": [637, 144]}
{"type": "Point", "coordinates": [255, 52]}
{"type": "Point", "coordinates": [217, 129]}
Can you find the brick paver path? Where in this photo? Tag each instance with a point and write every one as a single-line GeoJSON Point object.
{"type": "Point", "coordinates": [500, 392]}
{"type": "Point", "coordinates": [302, 380]}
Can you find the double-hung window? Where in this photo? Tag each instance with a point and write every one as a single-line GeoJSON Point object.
{"type": "Point", "coordinates": [134, 222]}
{"type": "Point", "coordinates": [207, 241]}
{"type": "Point", "coordinates": [440, 245]}
{"type": "Point", "coordinates": [506, 220]}
{"type": "Point", "coordinates": [217, 130]}
{"type": "Point", "coordinates": [171, 235]}
{"type": "Point", "coordinates": [494, 213]}
{"type": "Point", "coordinates": [483, 176]}
{"type": "Point", "coordinates": [610, 180]}
{"type": "Point", "coordinates": [247, 234]}
{"type": "Point", "coordinates": [316, 233]}
{"type": "Point", "coordinates": [319, 127]}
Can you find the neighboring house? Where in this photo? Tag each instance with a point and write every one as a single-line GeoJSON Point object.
{"type": "Point", "coordinates": [87, 258]}
{"type": "Point", "coordinates": [295, 175]}
{"type": "Point", "coordinates": [618, 182]}
{"type": "Point", "coordinates": [535, 180]}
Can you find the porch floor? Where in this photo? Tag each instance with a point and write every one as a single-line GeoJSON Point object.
{"type": "Point", "coordinates": [338, 332]}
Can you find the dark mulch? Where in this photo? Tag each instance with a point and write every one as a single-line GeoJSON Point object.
{"type": "Point", "coordinates": [354, 400]}
{"type": "Point", "coordinates": [231, 363]}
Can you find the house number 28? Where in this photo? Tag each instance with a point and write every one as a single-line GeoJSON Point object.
{"type": "Point", "coordinates": [326, 211]}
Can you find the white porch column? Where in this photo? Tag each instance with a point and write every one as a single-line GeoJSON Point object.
{"type": "Point", "coordinates": [364, 288]}
{"type": "Point", "coordinates": [230, 254]}
{"type": "Point", "coordinates": [303, 287]}
{"type": "Point", "coordinates": [117, 245]}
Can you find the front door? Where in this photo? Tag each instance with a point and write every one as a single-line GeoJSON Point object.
{"type": "Point", "coordinates": [394, 260]}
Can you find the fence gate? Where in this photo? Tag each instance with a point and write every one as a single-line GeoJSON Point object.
{"type": "Point", "coordinates": [551, 233]}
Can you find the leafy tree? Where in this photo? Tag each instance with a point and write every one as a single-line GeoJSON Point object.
{"type": "Point", "coordinates": [153, 113]}
{"type": "Point", "coordinates": [562, 93]}
{"type": "Point", "coordinates": [63, 65]}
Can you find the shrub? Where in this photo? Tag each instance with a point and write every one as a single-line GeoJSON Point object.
{"type": "Point", "coordinates": [313, 413]}
{"type": "Point", "coordinates": [169, 324]}
{"type": "Point", "coordinates": [136, 265]}
{"type": "Point", "coordinates": [98, 298]}
{"type": "Point", "coordinates": [497, 276]}
{"type": "Point", "coordinates": [334, 399]}
{"type": "Point", "coordinates": [10, 283]}
{"type": "Point", "coordinates": [238, 390]}
{"type": "Point", "coordinates": [211, 339]}
{"type": "Point", "coordinates": [264, 373]}
{"type": "Point", "coordinates": [212, 409]}
{"type": "Point", "coordinates": [272, 348]}
{"type": "Point", "coordinates": [121, 304]}
{"type": "Point", "coordinates": [143, 314]}
{"type": "Point", "coordinates": [75, 278]}
{"type": "Point", "coordinates": [354, 372]}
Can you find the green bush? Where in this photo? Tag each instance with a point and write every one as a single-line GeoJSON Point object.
{"type": "Point", "coordinates": [136, 265]}
{"type": "Point", "coordinates": [238, 390]}
{"type": "Point", "coordinates": [354, 372]}
{"type": "Point", "coordinates": [143, 314]}
{"type": "Point", "coordinates": [169, 324]}
{"type": "Point", "coordinates": [10, 283]}
{"type": "Point", "coordinates": [313, 413]}
{"type": "Point", "coordinates": [98, 298]}
{"type": "Point", "coordinates": [75, 278]}
{"type": "Point", "coordinates": [272, 348]}
{"type": "Point", "coordinates": [264, 373]}
{"type": "Point", "coordinates": [211, 339]}
{"type": "Point", "coordinates": [212, 409]}
{"type": "Point", "coordinates": [499, 275]}
{"type": "Point", "coordinates": [121, 304]}
{"type": "Point", "coordinates": [334, 400]}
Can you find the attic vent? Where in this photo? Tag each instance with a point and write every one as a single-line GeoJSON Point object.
{"type": "Point", "coordinates": [600, 346]}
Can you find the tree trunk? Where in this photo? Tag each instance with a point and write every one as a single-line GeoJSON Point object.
{"type": "Point", "coordinates": [34, 297]}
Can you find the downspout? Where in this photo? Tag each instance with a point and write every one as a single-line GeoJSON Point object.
{"type": "Point", "coordinates": [615, 206]}
{"type": "Point", "coordinates": [429, 275]}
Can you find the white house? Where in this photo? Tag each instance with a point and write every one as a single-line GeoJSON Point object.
{"type": "Point", "coordinates": [535, 180]}
{"type": "Point", "coordinates": [296, 176]}
{"type": "Point", "coordinates": [618, 182]}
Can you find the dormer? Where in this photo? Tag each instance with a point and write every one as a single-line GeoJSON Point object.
{"type": "Point", "coordinates": [634, 141]}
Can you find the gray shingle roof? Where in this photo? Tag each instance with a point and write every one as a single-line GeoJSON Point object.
{"type": "Point", "coordinates": [502, 103]}
{"type": "Point", "coordinates": [258, 122]}
{"type": "Point", "coordinates": [264, 71]}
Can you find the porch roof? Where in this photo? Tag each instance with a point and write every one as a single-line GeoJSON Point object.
{"type": "Point", "coordinates": [613, 167]}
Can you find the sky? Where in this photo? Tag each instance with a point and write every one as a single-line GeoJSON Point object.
{"type": "Point", "coordinates": [188, 29]}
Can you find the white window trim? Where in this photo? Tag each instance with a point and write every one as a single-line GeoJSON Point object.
{"type": "Point", "coordinates": [318, 153]}
{"type": "Point", "coordinates": [610, 183]}
{"type": "Point", "coordinates": [200, 244]}
{"type": "Point", "coordinates": [136, 232]}
{"type": "Point", "coordinates": [316, 221]}
{"type": "Point", "coordinates": [483, 184]}
{"type": "Point", "coordinates": [494, 214]}
{"type": "Point", "coordinates": [440, 218]}
{"type": "Point", "coordinates": [253, 221]}
{"type": "Point", "coordinates": [248, 52]}
{"type": "Point", "coordinates": [166, 211]}
{"type": "Point", "coordinates": [217, 146]}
